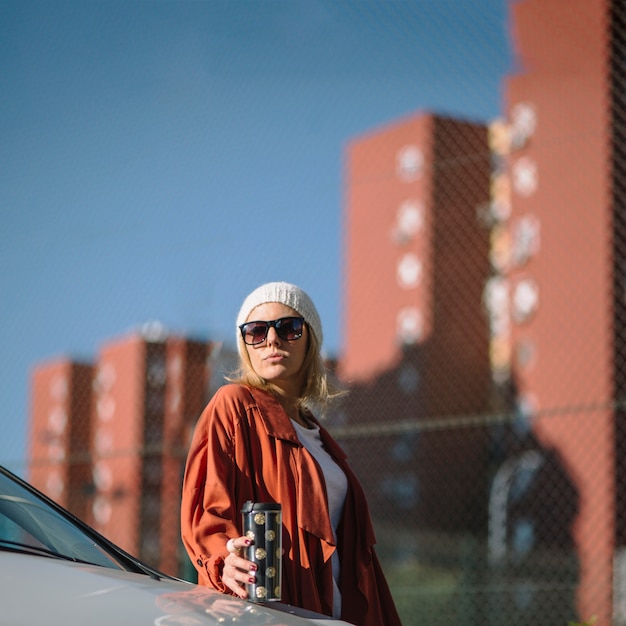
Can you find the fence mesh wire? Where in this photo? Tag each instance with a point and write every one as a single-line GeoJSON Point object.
{"type": "Point", "coordinates": [493, 451]}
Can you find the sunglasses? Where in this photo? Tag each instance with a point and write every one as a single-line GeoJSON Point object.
{"type": "Point", "coordinates": [287, 328]}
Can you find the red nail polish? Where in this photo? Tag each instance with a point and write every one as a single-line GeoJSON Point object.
{"type": "Point", "coordinates": [252, 579]}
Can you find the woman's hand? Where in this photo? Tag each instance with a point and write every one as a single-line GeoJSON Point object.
{"type": "Point", "coordinates": [238, 571]}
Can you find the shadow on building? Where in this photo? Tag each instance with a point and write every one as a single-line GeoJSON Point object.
{"type": "Point", "coordinates": [469, 497]}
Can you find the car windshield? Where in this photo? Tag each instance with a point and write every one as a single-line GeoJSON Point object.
{"type": "Point", "coordinates": [30, 524]}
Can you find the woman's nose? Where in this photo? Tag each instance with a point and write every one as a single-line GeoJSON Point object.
{"type": "Point", "coordinates": [272, 336]}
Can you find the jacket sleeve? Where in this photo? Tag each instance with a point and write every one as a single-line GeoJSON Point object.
{"type": "Point", "coordinates": [208, 512]}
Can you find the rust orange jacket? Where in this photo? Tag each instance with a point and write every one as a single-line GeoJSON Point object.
{"type": "Point", "coordinates": [245, 448]}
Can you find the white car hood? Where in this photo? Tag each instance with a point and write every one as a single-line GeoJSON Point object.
{"type": "Point", "coordinates": [38, 591]}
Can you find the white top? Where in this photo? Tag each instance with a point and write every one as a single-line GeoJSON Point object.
{"type": "Point", "coordinates": [336, 490]}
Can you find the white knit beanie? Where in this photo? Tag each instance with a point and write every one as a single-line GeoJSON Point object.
{"type": "Point", "coordinates": [286, 294]}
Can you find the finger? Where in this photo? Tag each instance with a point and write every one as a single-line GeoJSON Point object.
{"type": "Point", "coordinates": [234, 545]}
{"type": "Point", "coordinates": [235, 578]}
{"type": "Point", "coordinates": [235, 587]}
{"type": "Point", "coordinates": [236, 563]}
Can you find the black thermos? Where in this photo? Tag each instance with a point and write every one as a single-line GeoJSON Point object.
{"type": "Point", "coordinates": [262, 523]}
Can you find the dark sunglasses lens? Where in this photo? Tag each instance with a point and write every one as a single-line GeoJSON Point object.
{"type": "Point", "coordinates": [254, 332]}
{"type": "Point", "coordinates": [289, 328]}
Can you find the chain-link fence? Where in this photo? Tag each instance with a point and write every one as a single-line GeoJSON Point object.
{"type": "Point", "coordinates": [487, 425]}
{"type": "Point", "coordinates": [492, 447]}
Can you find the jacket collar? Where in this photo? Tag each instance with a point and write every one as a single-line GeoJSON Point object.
{"type": "Point", "coordinates": [278, 425]}
{"type": "Point", "coordinates": [275, 419]}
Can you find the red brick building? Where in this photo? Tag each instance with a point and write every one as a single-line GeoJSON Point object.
{"type": "Point", "coordinates": [117, 456]}
{"type": "Point", "coordinates": [60, 432]}
{"type": "Point", "coordinates": [414, 330]}
{"type": "Point", "coordinates": [555, 326]}
{"type": "Point", "coordinates": [415, 343]}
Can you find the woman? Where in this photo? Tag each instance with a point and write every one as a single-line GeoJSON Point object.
{"type": "Point", "coordinates": [258, 440]}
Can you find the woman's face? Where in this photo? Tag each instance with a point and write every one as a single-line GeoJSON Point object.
{"type": "Point", "coordinates": [277, 360]}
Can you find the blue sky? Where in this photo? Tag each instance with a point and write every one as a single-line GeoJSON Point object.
{"type": "Point", "coordinates": [159, 160]}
